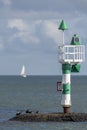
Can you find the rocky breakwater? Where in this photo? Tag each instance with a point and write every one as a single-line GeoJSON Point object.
{"type": "Point", "coordinates": [45, 117]}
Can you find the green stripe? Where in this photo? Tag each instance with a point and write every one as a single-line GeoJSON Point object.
{"type": "Point", "coordinates": [66, 88]}
{"type": "Point", "coordinates": [66, 68]}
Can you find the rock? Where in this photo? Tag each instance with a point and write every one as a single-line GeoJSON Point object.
{"type": "Point", "coordinates": [45, 117]}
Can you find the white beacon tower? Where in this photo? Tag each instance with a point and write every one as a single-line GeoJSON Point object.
{"type": "Point", "coordinates": [70, 56]}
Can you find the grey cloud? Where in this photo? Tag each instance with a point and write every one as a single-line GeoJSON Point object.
{"type": "Point", "coordinates": [46, 5]}
{"type": "Point", "coordinates": [44, 9]}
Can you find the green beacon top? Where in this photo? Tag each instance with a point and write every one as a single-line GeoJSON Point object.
{"type": "Point", "coordinates": [75, 40]}
{"type": "Point", "coordinates": [63, 26]}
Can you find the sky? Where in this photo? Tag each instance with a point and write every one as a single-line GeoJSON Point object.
{"type": "Point", "coordinates": [29, 34]}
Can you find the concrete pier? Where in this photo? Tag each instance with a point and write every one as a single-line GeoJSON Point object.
{"type": "Point", "coordinates": [54, 117]}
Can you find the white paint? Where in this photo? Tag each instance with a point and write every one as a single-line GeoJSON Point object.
{"type": "Point", "coordinates": [66, 79]}
{"type": "Point", "coordinates": [66, 100]}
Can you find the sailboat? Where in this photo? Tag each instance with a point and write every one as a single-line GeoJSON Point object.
{"type": "Point", "coordinates": [23, 72]}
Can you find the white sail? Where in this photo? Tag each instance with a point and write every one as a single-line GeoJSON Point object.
{"type": "Point", "coordinates": [23, 71]}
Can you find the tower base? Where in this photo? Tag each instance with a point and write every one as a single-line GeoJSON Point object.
{"type": "Point", "coordinates": [66, 109]}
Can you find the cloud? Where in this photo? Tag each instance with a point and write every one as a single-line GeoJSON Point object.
{"type": "Point", "coordinates": [45, 32]}
{"type": "Point", "coordinates": [40, 5]}
{"type": "Point", "coordinates": [1, 43]}
{"type": "Point", "coordinates": [6, 2]}
{"type": "Point", "coordinates": [51, 30]}
{"type": "Point", "coordinates": [32, 32]}
{"type": "Point", "coordinates": [24, 31]}
{"type": "Point", "coordinates": [55, 6]}
{"type": "Point", "coordinates": [18, 24]}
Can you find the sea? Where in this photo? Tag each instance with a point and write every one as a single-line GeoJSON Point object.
{"type": "Point", "coordinates": [39, 93]}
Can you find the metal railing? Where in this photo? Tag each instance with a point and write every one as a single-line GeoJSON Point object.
{"type": "Point", "coordinates": [72, 53]}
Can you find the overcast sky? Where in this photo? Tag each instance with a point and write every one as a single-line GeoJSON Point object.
{"type": "Point", "coordinates": [29, 34]}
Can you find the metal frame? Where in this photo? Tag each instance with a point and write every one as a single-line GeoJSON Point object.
{"type": "Point", "coordinates": [71, 53]}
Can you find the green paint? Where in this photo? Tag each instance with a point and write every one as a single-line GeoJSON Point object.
{"type": "Point", "coordinates": [63, 26]}
{"type": "Point", "coordinates": [66, 88]}
{"type": "Point", "coordinates": [75, 40]}
{"type": "Point", "coordinates": [66, 68]}
{"type": "Point", "coordinates": [75, 68]}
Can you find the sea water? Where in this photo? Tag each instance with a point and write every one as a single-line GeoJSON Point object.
{"type": "Point", "coordinates": [39, 93]}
